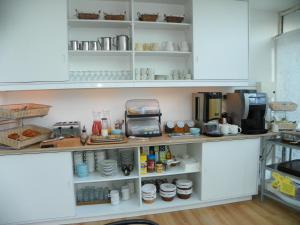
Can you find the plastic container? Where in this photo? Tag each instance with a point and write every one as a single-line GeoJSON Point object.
{"type": "Point", "coordinates": [167, 192]}
{"type": "Point", "coordinates": [143, 127]}
{"type": "Point", "coordinates": [142, 107]}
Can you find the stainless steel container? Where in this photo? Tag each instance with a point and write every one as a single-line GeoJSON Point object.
{"type": "Point", "coordinates": [105, 43]}
{"type": "Point", "coordinates": [121, 42]}
{"type": "Point", "coordinates": [93, 46]}
{"type": "Point", "coordinates": [85, 45]}
{"type": "Point", "coordinates": [74, 45]}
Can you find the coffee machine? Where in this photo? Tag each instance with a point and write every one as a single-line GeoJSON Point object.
{"type": "Point", "coordinates": [207, 106]}
{"type": "Point", "coordinates": [247, 108]}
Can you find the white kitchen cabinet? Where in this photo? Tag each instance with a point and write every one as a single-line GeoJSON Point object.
{"type": "Point", "coordinates": [230, 169]}
{"type": "Point", "coordinates": [220, 39]}
{"type": "Point", "coordinates": [33, 40]}
{"type": "Point", "coordinates": [36, 187]}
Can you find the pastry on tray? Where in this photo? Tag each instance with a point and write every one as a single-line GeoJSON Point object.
{"type": "Point", "coordinates": [30, 133]}
{"type": "Point", "coordinates": [14, 136]}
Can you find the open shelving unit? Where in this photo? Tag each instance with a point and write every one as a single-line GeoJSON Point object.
{"type": "Point", "coordinates": [163, 62]}
{"type": "Point", "coordinates": [135, 203]}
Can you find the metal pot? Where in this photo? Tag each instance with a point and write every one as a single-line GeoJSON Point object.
{"type": "Point", "coordinates": [121, 42]}
{"type": "Point", "coordinates": [105, 43]}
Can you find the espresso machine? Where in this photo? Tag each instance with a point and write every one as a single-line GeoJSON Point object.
{"type": "Point", "coordinates": [207, 106]}
{"type": "Point", "coordinates": [247, 108]}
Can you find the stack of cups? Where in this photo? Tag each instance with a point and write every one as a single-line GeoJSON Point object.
{"type": "Point", "coordinates": [184, 188]}
{"type": "Point", "coordinates": [90, 160]}
{"type": "Point", "coordinates": [82, 170]}
{"type": "Point", "coordinates": [114, 197]}
{"type": "Point", "coordinates": [125, 193]}
{"type": "Point", "coordinates": [78, 159]}
{"type": "Point", "coordinates": [99, 156]}
{"type": "Point", "coordinates": [167, 192]}
{"type": "Point", "coordinates": [149, 193]}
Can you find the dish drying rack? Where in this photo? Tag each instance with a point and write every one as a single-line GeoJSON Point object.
{"type": "Point", "coordinates": [15, 114]}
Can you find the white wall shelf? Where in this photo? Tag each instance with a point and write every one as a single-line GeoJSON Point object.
{"type": "Point", "coordinates": [97, 177]}
{"type": "Point", "coordinates": [99, 23]}
{"type": "Point", "coordinates": [100, 53]}
{"type": "Point", "coordinates": [170, 172]}
{"type": "Point", "coordinates": [161, 25]}
{"type": "Point", "coordinates": [162, 53]}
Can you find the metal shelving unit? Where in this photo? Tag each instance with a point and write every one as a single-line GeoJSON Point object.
{"type": "Point", "coordinates": [265, 183]}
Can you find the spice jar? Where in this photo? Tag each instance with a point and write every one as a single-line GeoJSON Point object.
{"type": "Point", "coordinates": [184, 188]}
{"type": "Point", "coordinates": [159, 167]}
{"type": "Point", "coordinates": [151, 164]}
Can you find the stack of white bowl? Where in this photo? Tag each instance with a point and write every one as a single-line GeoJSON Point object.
{"type": "Point", "coordinates": [167, 191]}
{"type": "Point", "coordinates": [113, 154]}
{"type": "Point", "coordinates": [90, 161]}
{"type": "Point", "coordinates": [99, 156]}
{"type": "Point", "coordinates": [149, 193]}
{"type": "Point", "coordinates": [109, 167]}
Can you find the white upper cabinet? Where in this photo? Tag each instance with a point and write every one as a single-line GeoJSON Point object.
{"type": "Point", "coordinates": [220, 39]}
{"type": "Point", "coordinates": [33, 40]}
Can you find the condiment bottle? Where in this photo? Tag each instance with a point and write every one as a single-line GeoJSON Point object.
{"type": "Point", "coordinates": [143, 160]}
{"type": "Point", "coordinates": [156, 151]}
{"type": "Point", "coordinates": [168, 154]}
{"type": "Point", "coordinates": [162, 153]}
{"type": "Point", "coordinates": [151, 164]}
{"type": "Point", "coordinates": [84, 136]}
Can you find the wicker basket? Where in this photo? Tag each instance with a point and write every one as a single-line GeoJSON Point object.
{"type": "Point", "coordinates": [283, 106]}
{"type": "Point", "coordinates": [114, 17]}
{"type": "Point", "coordinates": [148, 17]}
{"type": "Point", "coordinates": [24, 141]}
{"type": "Point", "coordinates": [174, 19]}
{"type": "Point", "coordinates": [26, 110]}
{"type": "Point", "coordinates": [87, 16]}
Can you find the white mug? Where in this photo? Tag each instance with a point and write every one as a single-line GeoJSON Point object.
{"type": "Point", "coordinates": [183, 46]}
{"type": "Point", "coordinates": [225, 128]}
{"type": "Point", "coordinates": [114, 197]}
{"type": "Point", "coordinates": [235, 129]}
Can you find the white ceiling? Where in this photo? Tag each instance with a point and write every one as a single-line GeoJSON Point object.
{"type": "Point", "coordinates": [273, 5]}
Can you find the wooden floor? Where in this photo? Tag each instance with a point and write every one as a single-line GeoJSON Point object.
{"type": "Point", "coordinates": [252, 212]}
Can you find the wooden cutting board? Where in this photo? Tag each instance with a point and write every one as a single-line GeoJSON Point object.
{"type": "Point", "coordinates": [65, 143]}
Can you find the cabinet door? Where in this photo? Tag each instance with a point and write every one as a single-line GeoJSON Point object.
{"type": "Point", "coordinates": [36, 187]}
{"type": "Point", "coordinates": [33, 40]}
{"type": "Point", "coordinates": [230, 169]}
{"type": "Point", "coordinates": [220, 39]}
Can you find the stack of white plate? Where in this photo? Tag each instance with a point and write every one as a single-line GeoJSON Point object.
{"type": "Point", "coordinates": [113, 154]}
{"type": "Point", "coordinates": [126, 157]}
{"type": "Point", "coordinates": [148, 193]}
{"type": "Point", "coordinates": [99, 156]}
{"type": "Point", "coordinates": [167, 191]}
{"type": "Point", "coordinates": [108, 167]}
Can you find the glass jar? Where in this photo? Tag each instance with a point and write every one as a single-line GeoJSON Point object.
{"type": "Point", "coordinates": [151, 164]}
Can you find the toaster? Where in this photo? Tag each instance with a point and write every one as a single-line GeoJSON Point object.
{"type": "Point", "coordinates": [67, 129]}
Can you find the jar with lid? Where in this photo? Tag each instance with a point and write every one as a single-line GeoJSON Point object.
{"type": "Point", "coordinates": [169, 127]}
{"type": "Point", "coordinates": [151, 164]}
{"type": "Point", "coordinates": [184, 188]}
{"type": "Point", "coordinates": [179, 127]}
{"type": "Point", "coordinates": [159, 166]}
{"type": "Point", "coordinates": [188, 125]}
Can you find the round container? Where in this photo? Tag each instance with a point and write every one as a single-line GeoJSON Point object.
{"type": "Point", "coordinates": [167, 191]}
{"type": "Point", "coordinates": [159, 167]}
{"type": "Point", "coordinates": [149, 193]}
{"type": "Point", "coordinates": [184, 188]}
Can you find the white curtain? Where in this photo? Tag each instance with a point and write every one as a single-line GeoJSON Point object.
{"type": "Point", "coordinates": [288, 70]}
